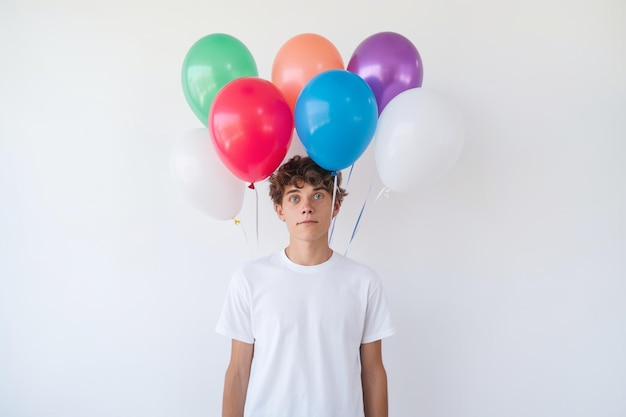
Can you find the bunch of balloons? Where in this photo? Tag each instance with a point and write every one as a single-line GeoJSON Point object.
{"type": "Point", "coordinates": [335, 111]}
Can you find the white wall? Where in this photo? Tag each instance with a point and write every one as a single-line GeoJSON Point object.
{"type": "Point", "coordinates": [507, 277]}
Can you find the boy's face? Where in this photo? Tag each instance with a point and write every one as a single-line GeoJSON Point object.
{"type": "Point", "coordinates": [307, 212]}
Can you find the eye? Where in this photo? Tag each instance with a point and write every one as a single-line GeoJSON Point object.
{"type": "Point", "coordinates": [318, 196]}
{"type": "Point", "coordinates": [294, 199]}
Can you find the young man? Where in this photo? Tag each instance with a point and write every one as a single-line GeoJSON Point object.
{"type": "Point", "coordinates": [306, 323]}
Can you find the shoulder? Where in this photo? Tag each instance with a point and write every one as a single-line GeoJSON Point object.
{"type": "Point", "coordinates": [258, 267]}
{"type": "Point", "coordinates": [356, 268]}
{"type": "Point", "coordinates": [350, 263]}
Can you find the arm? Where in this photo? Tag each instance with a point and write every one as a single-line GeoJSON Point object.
{"type": "Point", "coordinates": [374, 380]}
{"type": "Point", "coordinates": [236, 380]}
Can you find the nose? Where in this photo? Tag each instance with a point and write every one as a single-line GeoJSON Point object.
{"type": "Point", "coordinates": [307, 207]}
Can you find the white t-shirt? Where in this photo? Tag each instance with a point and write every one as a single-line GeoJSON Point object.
{"type": "Point", "coordinates": [307, 324]}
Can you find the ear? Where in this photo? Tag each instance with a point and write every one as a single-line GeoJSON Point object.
{"type": "Point", "coordinates": [337, 207]}
{"type": "Point", "coordinates": [279, 211]}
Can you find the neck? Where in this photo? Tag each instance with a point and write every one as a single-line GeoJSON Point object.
{"type": "Point", "coordinates": [308, 253]}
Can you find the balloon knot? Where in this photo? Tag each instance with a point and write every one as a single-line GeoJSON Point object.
{"type": "Point", "coordinates": [251, 186]}
{"type": "Point", "coordinates": [333, 173]}
{"type": "Point", "coordinates": [236, 221]}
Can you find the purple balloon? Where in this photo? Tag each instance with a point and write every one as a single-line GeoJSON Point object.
{"type": "Point", "coordinates": [389, 63]}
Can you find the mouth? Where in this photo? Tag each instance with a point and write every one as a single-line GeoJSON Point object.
{"type": "Point", "coordinates": [307, 222]}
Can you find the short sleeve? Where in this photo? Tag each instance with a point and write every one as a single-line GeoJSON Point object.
{"type": "Point", "coordinates": [235, 320]}
{"type": "Point", "coordinates": [378, 320]}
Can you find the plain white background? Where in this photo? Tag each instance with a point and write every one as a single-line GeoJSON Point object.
{"type": "Point", "coordinates": [507, 277]}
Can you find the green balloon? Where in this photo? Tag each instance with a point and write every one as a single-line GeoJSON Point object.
{"type": "Point", "coordinates": [211, 63]}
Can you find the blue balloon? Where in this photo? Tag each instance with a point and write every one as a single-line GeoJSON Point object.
{"type": "Point", "coordinates": [335, 118]}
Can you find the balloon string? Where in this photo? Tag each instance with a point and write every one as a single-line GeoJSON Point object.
{"type": "Point", "coordinates": [332, 209]}
{"type": "Point", "coordinates": [349, 175]}
{"type": "Point", "coordinates": [358, 219]}
{"type": "Point", "coordinates": [245, 235]}
{"type": "Point", "coordinates": [385, 191]}
{"type": "Point", "coordinates": [256, 192]}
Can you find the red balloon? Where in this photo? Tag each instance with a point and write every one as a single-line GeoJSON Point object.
{"type": "Point", "coordinates": [251, 125]}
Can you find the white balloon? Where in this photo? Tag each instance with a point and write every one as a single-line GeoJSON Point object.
{"type": "Point", "coordinates": [206, 181]}
{"type": "Point", "coordinates": [418, 139]}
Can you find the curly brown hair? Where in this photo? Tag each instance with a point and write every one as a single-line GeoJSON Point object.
{"type": "Point", "coordinates": [300, 170]}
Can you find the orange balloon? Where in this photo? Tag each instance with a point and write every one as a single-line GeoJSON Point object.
{"type": "Point", "coordinates": [300, 59]}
